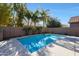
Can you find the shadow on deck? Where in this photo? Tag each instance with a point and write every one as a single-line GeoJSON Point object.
{"type": "Point", "coordinates": [69, 43]}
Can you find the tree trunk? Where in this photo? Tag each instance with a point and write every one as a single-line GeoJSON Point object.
{"type": "Point", "coordinates": [28, 23]}
{"type": "Point", "coordinates": [43, 23]}
{"type": "Point", "coordinates": [35, 24]}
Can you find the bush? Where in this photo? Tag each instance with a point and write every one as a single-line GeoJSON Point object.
{"type": "Point", "coordinates": [27, 30]}
{"type": "Point", "coordinates": [32, 30]}
{"type": "Point", "coordinates": [39, 29]}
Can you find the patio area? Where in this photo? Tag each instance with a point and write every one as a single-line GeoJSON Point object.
{"type": "Point", "coordinates": [64, 47]}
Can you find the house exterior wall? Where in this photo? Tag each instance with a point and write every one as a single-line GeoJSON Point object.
{"type": "Point", "coordinates": [74, 25]}
{"type": "Point", "coordinates": [74, 22]}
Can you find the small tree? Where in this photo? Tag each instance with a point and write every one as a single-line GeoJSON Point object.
{"type": "Point", "coordinates": [53, 22]}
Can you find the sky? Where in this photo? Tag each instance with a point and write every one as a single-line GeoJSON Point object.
{"type": "Point", "coordinates": [63, 11]}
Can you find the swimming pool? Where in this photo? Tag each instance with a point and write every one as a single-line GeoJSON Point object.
{"type": "Point", "coordinates": [35, 42]}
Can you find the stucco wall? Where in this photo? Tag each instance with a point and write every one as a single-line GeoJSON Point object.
{"type": "Point", "coordinates": [66, 31]}
{"type": "Point", "coordinates": [12, 32]}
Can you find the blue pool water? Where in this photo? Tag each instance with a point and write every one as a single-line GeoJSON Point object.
{"type": "Point", "coordinates": [35, 42]}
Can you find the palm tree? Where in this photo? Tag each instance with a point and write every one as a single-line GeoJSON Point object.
{"type": "Point", "coordinates": [5, 14]}
{"type": "Point", "coordinates": [28, 15]}
{"type": "Point", "coordinates": [19, 10]}
{"type": "Point", "coordinates": [35, 17]}
{"type": "Point", "coordinates": [44, 16]}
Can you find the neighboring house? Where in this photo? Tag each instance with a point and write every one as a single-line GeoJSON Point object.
{"type": "Point", "coordinates": [74, 22]}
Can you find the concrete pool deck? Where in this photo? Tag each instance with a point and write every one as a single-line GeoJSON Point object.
{"type": "Point", "coordinates": [13, 47]}
{"type": "Point", "coordinates": [60, 51]}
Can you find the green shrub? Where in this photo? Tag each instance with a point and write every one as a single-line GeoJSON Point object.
{"type": "Point", "coordinates": [32, 30]}
{"type": "Point", "coordinates": [39, 29]}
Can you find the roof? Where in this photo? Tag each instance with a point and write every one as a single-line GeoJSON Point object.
{"type": "Point", "coordinates": [74, 19]}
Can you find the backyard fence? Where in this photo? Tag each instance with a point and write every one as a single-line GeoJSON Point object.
{"type": "Point", "coordinates": [13, 32]}
{"type": "Point", "coordinates": [66, 31]}
{"type": "Point", "coordinates": [10, 32]}
{"type": "Point", "coordinates": [1, 34]}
